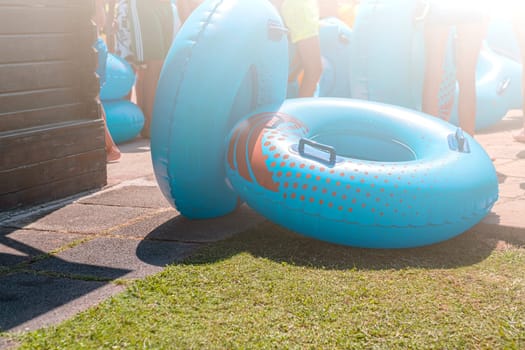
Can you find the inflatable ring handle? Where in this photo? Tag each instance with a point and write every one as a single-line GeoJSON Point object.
{"type": "Point", "coordinates": [317, 155]}
{"type": "Point", "coordinates": [503, 86]}
{"type": "Point", "coordinates": [458, 142]}
{"type": "Point", "coordinates": [276, 31]}
{"type": "Point", "coordinates": [424, 13]}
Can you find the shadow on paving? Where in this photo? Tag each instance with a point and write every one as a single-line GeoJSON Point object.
{"type": "Point", "coordinates": [26, 294]}
{"type": "Point", "coordinates": [273, 242]}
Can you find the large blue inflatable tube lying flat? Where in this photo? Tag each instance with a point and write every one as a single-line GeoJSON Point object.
{"type": "Point", "coordinates": [360, 173]}
{"type": "Point", "coordinates": [229, 58]}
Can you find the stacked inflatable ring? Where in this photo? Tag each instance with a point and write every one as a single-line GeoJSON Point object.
{"type": "Point", "coordinates": [124, 118]}
{"type": "Point", "coordinates": [350, 172]}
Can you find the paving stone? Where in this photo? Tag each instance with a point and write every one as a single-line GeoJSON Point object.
{"type": "Point", "coordinates": [512, 187]}
{"type": "Point", "coordinates": [172, 227]}
{"type": "Point", "coordinates": [8, 344]}
{"type": "Point", "coordinates": [130, 196]}
{"type": "Point", "coordinates": [135, 162]}
{"type": "Point", "coordinates": [30, 301]}
{"type": "Point", "coordinates": [19, 245]}
{"type": "Point", "coordinates": [143, 229]}
{"type": "Point", "coordinates": [507, 212]}
{"type": "Point", "coordinates": [515, 168]}
{"type": "Point", "coordinates": [108, 257]}
{"type": "Point", "coordinates": [83, 218]}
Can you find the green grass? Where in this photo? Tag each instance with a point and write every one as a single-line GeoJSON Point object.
{"type": "Point", "coordinates": [269, 288]}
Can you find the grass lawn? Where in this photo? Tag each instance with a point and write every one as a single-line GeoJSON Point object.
{"type": "Point", "coordinates": [269, 288]}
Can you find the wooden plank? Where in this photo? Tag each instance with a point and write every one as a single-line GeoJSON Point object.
{"type": "Point", "coordinates": [39, 99]}
{"type": "Point", "coordinates": [54, 170]}
{"type": "Point", "coordinates": [38, 76]}
{"type": "Point", "coordinates": [38, 47]}
{"type": "Point", "coordinates": [55, 141]}
{"type": "Point", "coordinates": [19, 19]}
{"type": "Point", "coordinates": [46, 3]}
{"type": "Point", "coordinates": [53, 191]}
{"type": "Point", "coordinates": [51, 134]}
{"type": "Point", "coordinates": [23, 119]}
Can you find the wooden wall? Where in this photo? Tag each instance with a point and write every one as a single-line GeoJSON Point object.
{"type": "Point", "coordinates": [51, 133]}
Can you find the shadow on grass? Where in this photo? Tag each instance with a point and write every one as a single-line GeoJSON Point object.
{"type": "Point", "coordinates": [273, 242]}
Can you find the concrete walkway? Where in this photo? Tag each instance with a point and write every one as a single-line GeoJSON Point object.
{"type": "Point", "coordinates": [63, 257]}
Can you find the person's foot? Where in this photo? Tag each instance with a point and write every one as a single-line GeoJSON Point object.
{"type": "Point", "coordinates": [520, 137]}
{"type": "Point", "coordinates": [112, 154]}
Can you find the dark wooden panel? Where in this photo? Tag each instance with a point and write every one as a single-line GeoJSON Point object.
{"type": "Point", "coordinates": [23, 119]}
{"type": "Point", "coordinates": [38, 174]}
{"type": "Point", "coordinates": [47, 3]}
{"type": "Point", "coordinates": [26, 18]}
{"type": "Point", "coordinates": [55, 141]}
{"type": "Point", "coordinates": [52, 191]}
{"type": "Point", "coordinates": [51, 133]}
{"type": "Point", "coordinates": [30, 100]}
{"type": "Point", "coordinates": [37, 47]}
{"type": "Point", "coordinates": [37, 76]}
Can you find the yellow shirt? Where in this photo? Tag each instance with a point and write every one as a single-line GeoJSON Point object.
{"type": "Point", "coordinates": [302, 18]}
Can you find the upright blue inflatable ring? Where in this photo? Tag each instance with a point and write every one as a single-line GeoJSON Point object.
{"type": "Point", "coordinates": [229, 58]}
{"type": "Point", "coordinates": [360, 173]}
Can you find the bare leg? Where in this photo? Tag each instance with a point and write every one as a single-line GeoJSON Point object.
{"type": "Point", "coordinates": [468, 46]}
{"type": "Point", "coordinates": [436, 38]}
{"type": "Point", "coordinates": [112, 151]}
{"type": "Point", "coordinates": [139, 87]}
{"type": "Point", "coordinates": [520, 35]}
{"type": "Point", "coordinates": [309, 52]}
{"type": "Point", "coordinates": [149, 83]}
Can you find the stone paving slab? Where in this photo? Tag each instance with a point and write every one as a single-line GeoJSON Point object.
{"type": "Point", "coordinates": [171, 226]}
{"type": "Point", "coordinates": [7, 344]}
{"type": "Point", "coordinates": [513, 169]}
{"type": "Point", "coordinates": [512, 187]}
{"type": "Point", "coordinates": [113, 258]}
{"type": "Point", "coordinates": [508, 213]}
{"type": "Point", "coordinates": [130, 196]}
{"type": "Point", "coordinates": [137, 160]}
{"type": "Point", "coordinates": [29, 301]}
{"type": "Point", "coordinates": [20, 245]}
{"type": "Point", "coordinates": [81, 218]}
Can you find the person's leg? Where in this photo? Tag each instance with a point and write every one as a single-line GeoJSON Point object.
{"type": "Point", "coordinates": [468, 46]}
{"type": "Point", "coordinates": [436, 39]}
{"type": "Point", "coordinates": [112, 151]}
{"type": "Point", "coordinates": [519, 21]}
{"type": "Point", "coordinates": [150, 78]}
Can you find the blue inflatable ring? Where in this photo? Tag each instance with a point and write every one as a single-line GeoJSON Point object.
{"type": "Point", "coordinates": [334, 40]}
{"type": "Point", "coordinates": [360, 173]}
{"type": "Point", "coordinates": [120, 78]}
{"type": "Point", "coordinates": [202, 94]}
{"type": "Point", "coordinates": [498, 89]}
{"type": "Point", "coordinates": [335, 37]}
{"type": "Point", "coordinates": [125, 120]}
